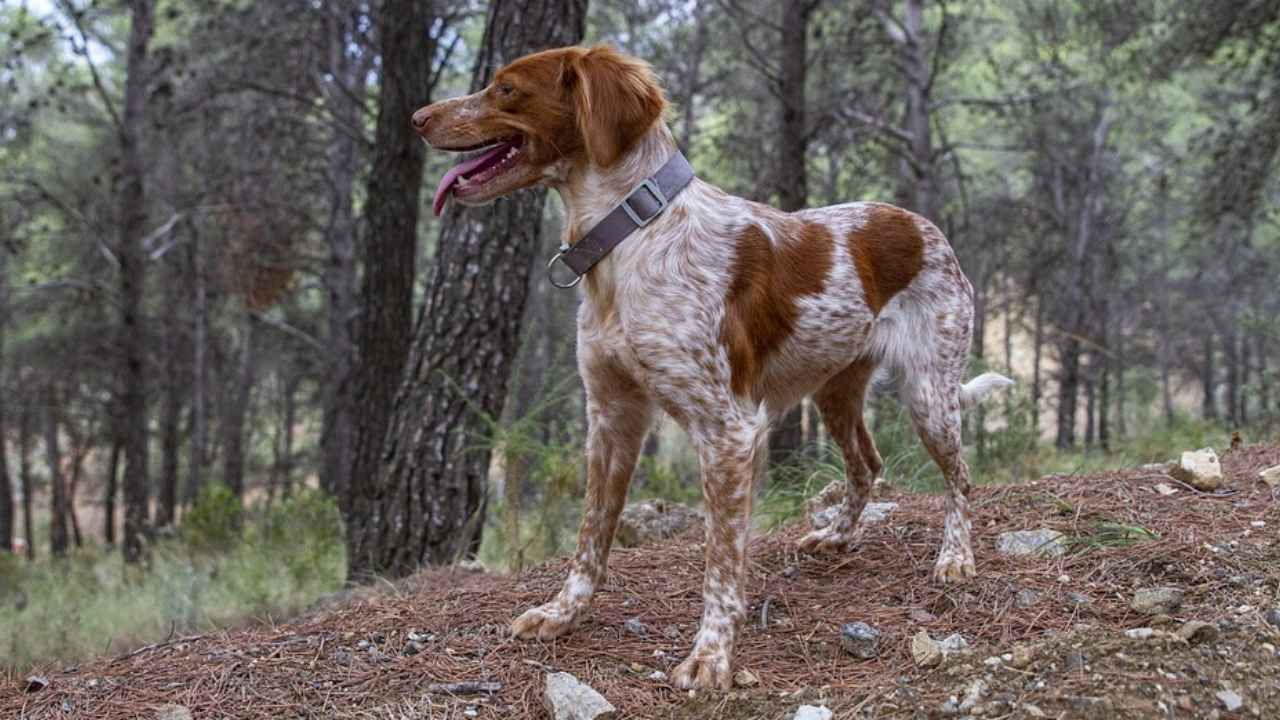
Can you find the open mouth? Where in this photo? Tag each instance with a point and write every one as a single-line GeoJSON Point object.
{"type": "Point", "coordinates": [471, 175]}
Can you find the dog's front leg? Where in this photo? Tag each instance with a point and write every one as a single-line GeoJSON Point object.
{"type": "Point", "coordinates": [728, 467]}
{"type": "Point", "coordinates": [618, 418]}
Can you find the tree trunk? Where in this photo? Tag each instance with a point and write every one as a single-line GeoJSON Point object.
{"type": "Point", "coordinates": [199, 373]}
{"type": "Point", "coordinates": [109, 496]}
{"type": "Point", "coordinates": [171, 414]}
{"type": "Point", "coordinates": [386, 295]}
{"type": "Point", "coordinates": [6, 484]}
{"type": "Point", "coordinates": [1209, 404]}
{"type": "Point", "coordinates": [57, 488]}
{"type": "Point", "coordinates": [1068, 391]}
{"type": "Point", "coordinates": [427, 502]}
{"type": "Point", "coordinates": [133, 227]}
{"type": "Point", "coordinates": [1037, 342]}
{"type": "Point", "coordinates": [348, 81]}
{"type": "Point", "coordinates": [787, 436]}
{"type": "Point", "coordinates": [237, 408]}
{"type": "Point", "coordinates": [24, 477]}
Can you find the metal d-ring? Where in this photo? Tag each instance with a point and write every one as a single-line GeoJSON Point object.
{"type": "Point", "coordinates": [551, 276]}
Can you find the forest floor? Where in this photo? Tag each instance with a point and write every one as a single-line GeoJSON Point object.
{"type": "Point", "coordinates": [1060, 624]}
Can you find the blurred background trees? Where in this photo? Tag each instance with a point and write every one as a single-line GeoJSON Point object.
{"type": "Point", "coordinates": [215, 271]}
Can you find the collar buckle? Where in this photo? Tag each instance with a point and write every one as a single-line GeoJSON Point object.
{"type": "Point", "coordinates": [658, 199]}
{"type": "Point", "coordinates": [551, 270]}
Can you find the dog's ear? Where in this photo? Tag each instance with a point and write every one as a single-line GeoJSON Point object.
{"type": "Point", "coordinates": [616, 100]}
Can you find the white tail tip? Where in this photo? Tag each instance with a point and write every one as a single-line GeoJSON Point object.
{"type": "Point", "coordinates": [977, 389]}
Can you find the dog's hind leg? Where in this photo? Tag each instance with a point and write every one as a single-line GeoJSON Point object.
{"type": "Point", "coordinates": [619, 414]}
{"type": "Point", "coordinates": [840, 401]}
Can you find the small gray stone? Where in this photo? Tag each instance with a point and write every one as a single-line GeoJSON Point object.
{"type": "Point", "coordinates": [635, 627]}
{"type": "Point", "coordinates": [173, 712]}
{"type": "Point", "coordinates": [1273, 617]}
{"type": "Point", "coordinates": [342, 657]}
{"type": "Point", "coordinates": [1157, 600]}
{"type": "Point", "coordinates": [1197, 631]}
{"type": "Point", "coordinates": [1078, 599]}
{"type": "Point", "coordinates": [860, 640]}
{"type": "Point", "coordinates": [811, 712]}
{"type": "Point", "coordinates": [1026, 598]}
{"type": "Point", "coordinates": [1075, 660]}
{"type": "Point", "coordinates": [954, 643]}
{"type": "Point", "coordinates": [567, 698]}
{"type": "Point", "coordinates": [926, 651]}
{"type": "Point", "coordinates": [1231, 700]}
{"type": "Point", "coordinates": [872, 513]}
{"type": "Point", "coordinates": [1142, 633]}
{"type": "Point", "coordinates": [1043, 542]}
{"type": "Point", "coordinates": [973, 695]}
{"type": "Point", "coordinates": [413, 647]}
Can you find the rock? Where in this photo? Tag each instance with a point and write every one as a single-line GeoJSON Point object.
{"type": "Point", "coordinates": [1078, 599]}
{"type": "Point", "coordinates": [921, 616]}
{"type": "Point", "coordinates": [1023, 656]}
{"type": "Point", "coordinates": [1043, 542]}
{"type": "Point", "coordinates": [954, 643]}
{"type": "Point", "coordinates": [1026, 598]}
{"type": "Point", "coordinates": [1157, 600]}
{"type": "Point", "coordinates": [1199, 469]}
{"type": "Point", "coordinates": [951, 707]}
{"type": "Point", "coordinates": [860, 640]}
{"type": "Point", "coordinates": [1197, 631]}
{"type": "Point", "coordinates": [566, 698]}
{"type": "Point", "coordinates": [1271, 476]}
{"type": "Point", "coordinates": [36, 683]}
{"type": "Point", "coordinates": [1142, 633]}
{"type": "Point", "coordinates": [811, 712]}
{"type": "Point", "coordinates": [926, 651]}
{"type": "Point", "coordinates": [653, 520]}
{"type": "Point", "coordinates": [871, 513]}
{"type": "Point", "coordinates": [1273, 617]}
{"type": "Point", "coordinates": [173, 712]}
{"type": "Point", "coordinates": [1033, 711]}
{"type": "Point", "coordinates": [1166, 490]}
{"type": "Point", "coordinates": [973, 695]}
{"type": "Point", "coordinates": [658, 676]}
{"type": "Point", "coordinates": [1231, 699]}
{"type": "Point", "coordinates": [1075, 660]}
{"type": "Point", "coordinates": [745, 678]}
{"type": "Point", "coordinates": [635, 627]}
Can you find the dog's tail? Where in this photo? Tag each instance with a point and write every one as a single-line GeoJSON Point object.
{"type": "Point", "coordinates": [977, 389]}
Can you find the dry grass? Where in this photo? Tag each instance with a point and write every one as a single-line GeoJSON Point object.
{"type": "Point", "coordinates": [315, 667]}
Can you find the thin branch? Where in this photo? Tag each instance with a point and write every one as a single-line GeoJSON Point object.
{"type": "Point", "coordinates": [291, 330]}
{"type": "Point", "coordinates": [83, 51]}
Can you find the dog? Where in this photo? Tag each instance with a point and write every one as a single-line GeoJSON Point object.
{"type": "Point", "coordinates": [722, 312]}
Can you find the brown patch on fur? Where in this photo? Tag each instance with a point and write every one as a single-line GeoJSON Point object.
{"type": "Point", "coordinates": [760, 307]}
{"type": "Point", "coordinates": [888, 252]}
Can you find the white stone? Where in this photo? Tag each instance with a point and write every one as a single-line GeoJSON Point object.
{"type": "Point", "coordinates": [926, 651]}
{"type": "Point", "coordinates": [811, 712]}
{"type": "Point", "coordinates": [567, 698]}
{"type": "Point", "coordinates": [1142, 633]}
{"type": "Point", "coordinates": [871, 513]}
{"type": "Point", "coordinates": [1199, 469]}
{"type": "Point", "coordinates": [1271, 476]}
{"type": "Point", "coordinates": [1043, 542]}
{"type": "Point", "coordinates": [1231, 700]}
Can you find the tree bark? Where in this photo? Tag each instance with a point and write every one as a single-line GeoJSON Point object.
{"type": "Point", "coordinates": [386, 294]}
{"type": "Point", "coordinates": [199, 372]}
{"type": "Point", "coordinates": [426, 504]}
{"type": "Point", "coordinates": [792, 186]}
{"type": "Point", "coordinates": [25, 420]}
{"type": "Point", "coordinates": [57, 488]}
{"type": "Point", "coordinates": [237, 408]}
{"type": "Point", "coordinates": [109, 495]}
{"type": "Point", "coordinates": [1208, 381]}
{"type": "Point", "coordinates": [171, 413]}
{"type": "Point", "coordinates": [348, 80]}
{"type": "Point", "coordinates": [6, 483]}
{"type": "Point", "coordinates": [133, 225]}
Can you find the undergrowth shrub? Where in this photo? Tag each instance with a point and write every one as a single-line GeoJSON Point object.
{"type": "Point", "coordinates": [211, 525]}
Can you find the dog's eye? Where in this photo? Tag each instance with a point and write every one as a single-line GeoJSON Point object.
{"type": "Point", "coordinates": [506, 90]}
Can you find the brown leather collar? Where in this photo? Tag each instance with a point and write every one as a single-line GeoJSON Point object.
{"type": "Point", "coordinates": [639, 208]}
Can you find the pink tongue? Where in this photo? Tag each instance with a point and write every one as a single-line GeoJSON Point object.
{"type": "Point", "coordinates": [446, 183]}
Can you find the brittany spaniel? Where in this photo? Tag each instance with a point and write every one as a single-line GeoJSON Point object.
{"type": "Point", "coordinates": [722, 312]}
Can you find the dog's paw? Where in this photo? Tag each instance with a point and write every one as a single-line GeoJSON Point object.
{"type": "Point", "coordinates": [954, 567]}
{"type": "Point", "coordinates": [704, 670]}
{"type": "Point", "coordinates": [547, 622]}
{"type": "Point", "coordinates": [829, 539]}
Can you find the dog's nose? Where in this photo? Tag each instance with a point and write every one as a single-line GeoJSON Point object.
{"type": "Point", "coordinates": [421, 118]}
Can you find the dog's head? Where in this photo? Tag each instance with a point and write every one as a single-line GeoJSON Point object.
{"type": "Point", "coordinates": [541, 115]}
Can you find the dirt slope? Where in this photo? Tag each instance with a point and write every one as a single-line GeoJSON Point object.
{"type": "Point", "coordinates": [357, 659]}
